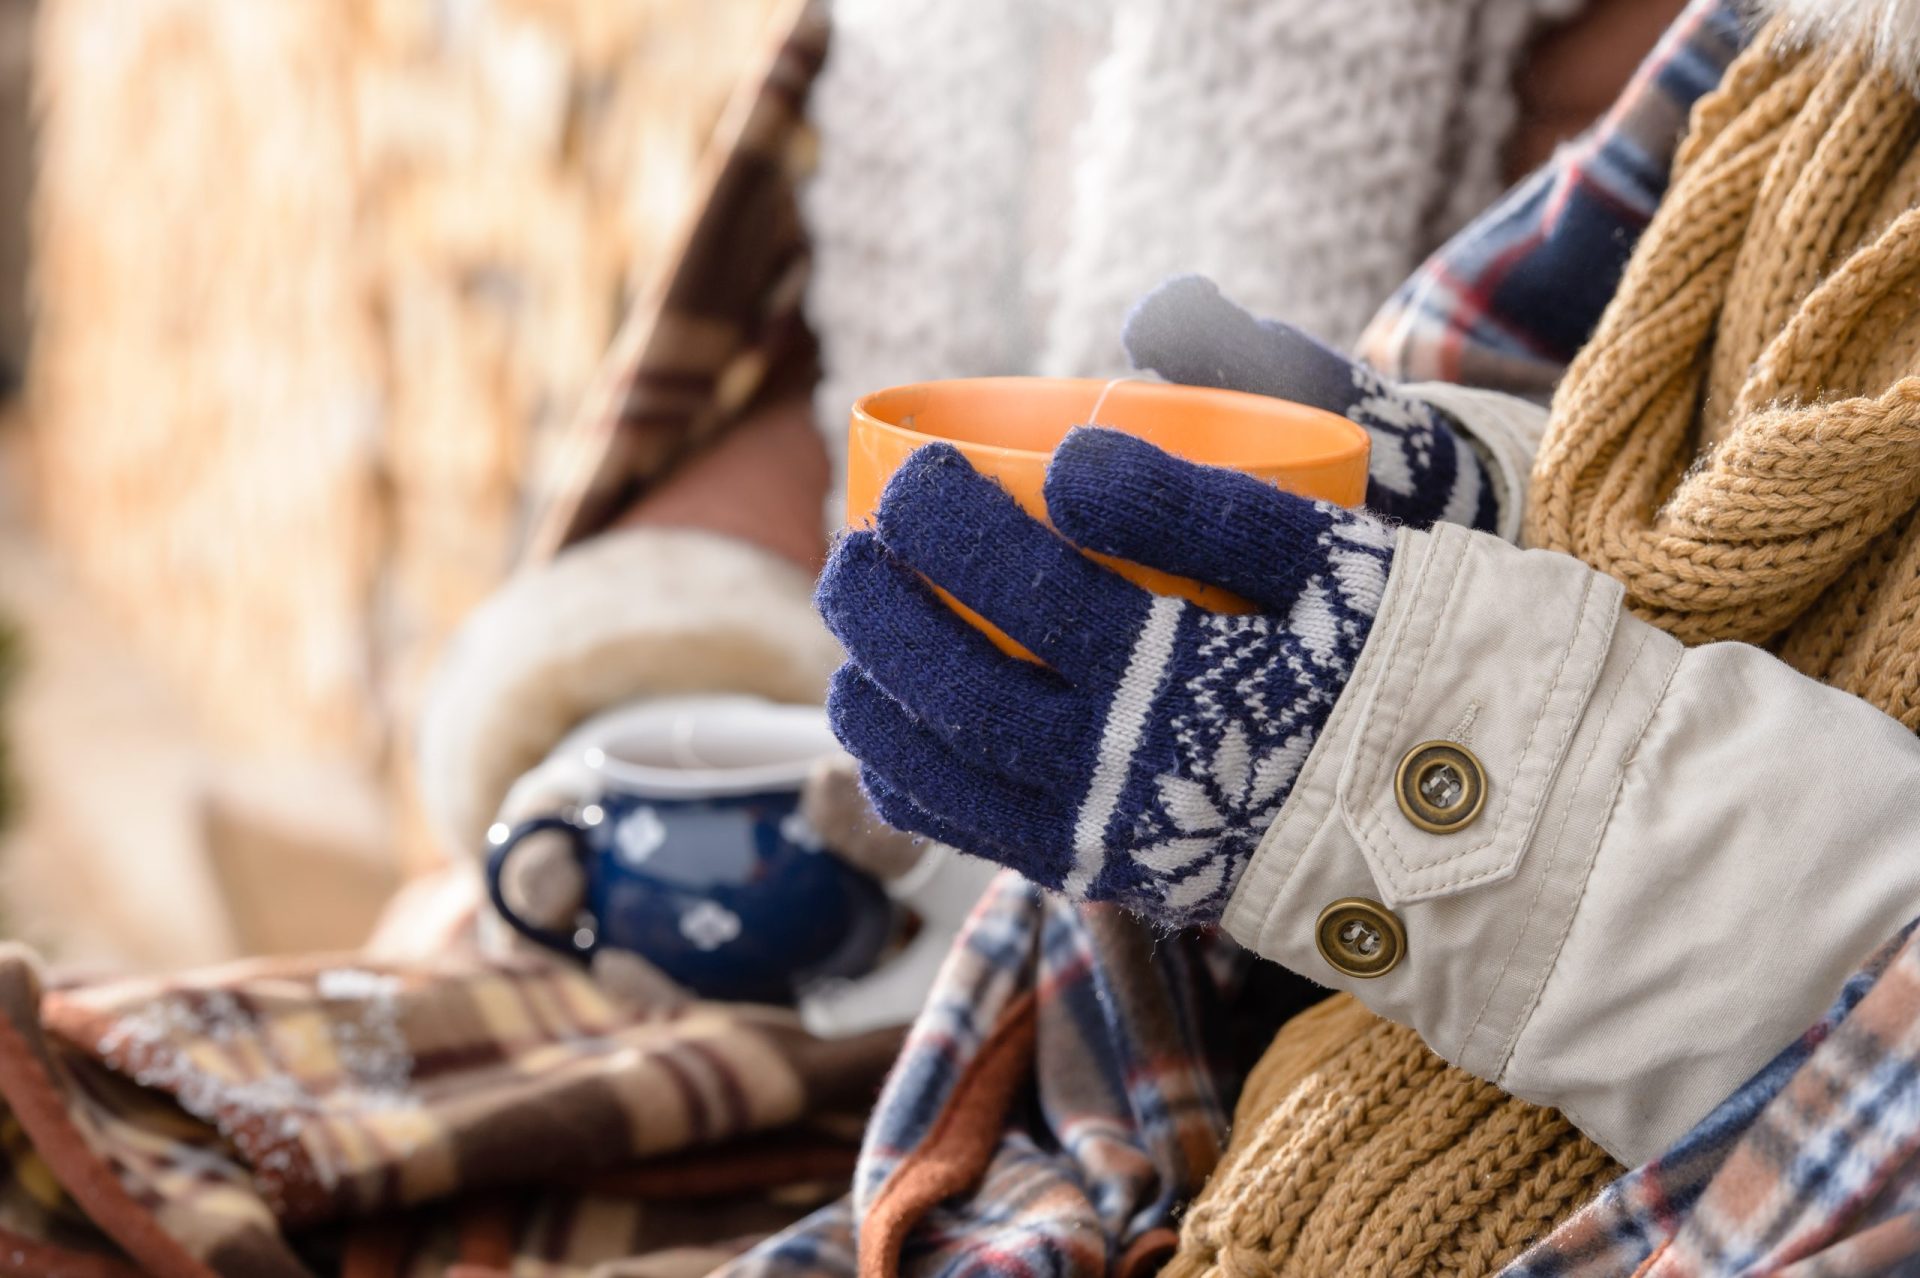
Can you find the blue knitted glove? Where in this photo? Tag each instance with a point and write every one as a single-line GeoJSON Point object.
{"type": "Point", "coordinates": [1143, 763]}
{"type": "Point", "coordinates": [1422, 470]}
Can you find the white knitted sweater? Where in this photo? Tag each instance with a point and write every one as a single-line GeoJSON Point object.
{"type": "Point", "coordinates": [999, 180]}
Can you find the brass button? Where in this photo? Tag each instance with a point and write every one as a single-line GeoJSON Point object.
{"type": "Point", "coordinates": [1441, 786]}
{"type": "Point", "coordinates": [1358, 937]}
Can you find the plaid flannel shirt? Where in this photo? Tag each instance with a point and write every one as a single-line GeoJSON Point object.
{"type": "Point", "coordinates": [1810, 1168]}
{"type": "Point", "coordinates": [1510, 300]}
{"type": "Point", "coordinates": [1060, 1100]}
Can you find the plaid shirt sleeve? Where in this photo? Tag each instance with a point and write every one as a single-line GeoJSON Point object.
{"type": "Point", "coordinates": [1508, 301]}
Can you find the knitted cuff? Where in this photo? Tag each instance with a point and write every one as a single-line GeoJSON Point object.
{"type": "Point", "coordinates": [1503, 431]}
{"type": "Point", "coordinates": [1422, 470]}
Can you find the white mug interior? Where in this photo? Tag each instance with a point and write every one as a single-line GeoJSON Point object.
{"type": "Point", "coordinates": [703, 746]}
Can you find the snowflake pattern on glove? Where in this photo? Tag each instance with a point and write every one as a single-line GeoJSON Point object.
{"type": "Point", "coordinates": [1146, 760]}
{"type": "Point", "coordinates": [1421, 471]}
{"type": "Point", "coordinates": [1243, 700]}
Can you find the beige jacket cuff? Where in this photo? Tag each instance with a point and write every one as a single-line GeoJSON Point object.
{"type": "Point", "coordinates": [642, 612]}
{"type": "Point", "coordinates": [1507, 432]}
{"type": "Point", "coordinates": [1681, 857]}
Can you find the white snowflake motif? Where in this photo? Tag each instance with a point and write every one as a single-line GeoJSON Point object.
{"type": "Point", "coordinates": [1239, 743]}
{"type": "Point", "coordinates": [708, 925]}
{"type": "Point", "coordinates": [1237, 796]}
{"type": "Point", "coordinates": [1243, 715]}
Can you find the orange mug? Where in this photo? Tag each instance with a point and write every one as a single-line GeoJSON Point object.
{"type": "Point", "coordinates": [1008, 428]}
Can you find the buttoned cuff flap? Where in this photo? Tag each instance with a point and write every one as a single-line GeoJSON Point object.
{"type": "Point", "coordinates": [1516, 728]}
{"type": "Point", "coordinates": [1505, 669]}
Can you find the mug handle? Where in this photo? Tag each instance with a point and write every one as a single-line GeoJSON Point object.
{"type": "Point", "coordinates": [497, 862]}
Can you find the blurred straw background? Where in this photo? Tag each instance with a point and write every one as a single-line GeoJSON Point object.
{"type": "Point", "coordinates": [314, 283]}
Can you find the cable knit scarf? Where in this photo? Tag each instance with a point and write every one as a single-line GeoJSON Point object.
{"type": "Point", "coordinates": [1739, 443]}
{"type": "Point", "coordinates": [998, 180]}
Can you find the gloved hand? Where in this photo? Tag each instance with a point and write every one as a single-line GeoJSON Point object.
{"type": "Point", "coordinates": [1143, 764]}
{"type": "Point", "coordinates": [1422, 469]}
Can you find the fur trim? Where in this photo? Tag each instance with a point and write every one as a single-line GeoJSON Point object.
{"type": "Point", "coordinates": [624, 615]}
{"type": "Point", "coordinates": [1890, 29]}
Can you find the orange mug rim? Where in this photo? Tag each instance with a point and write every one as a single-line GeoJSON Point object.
{"type": "Point", "coordinates": [1287, 450]}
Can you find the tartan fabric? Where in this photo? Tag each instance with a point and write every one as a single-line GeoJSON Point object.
{"type": "Point", "coordinates": [718, 331]}
{"type": "Point", "coordinates": [1507, 303]}
{"type": "Point", "coordinates": [1065, 1091]}
{"type": "Point", "coordinates": [293, 1117]}
{"type": "Point", "coordinates": [347, 1087]}
{"type": "Point", "coordinates": [1083, 1163]}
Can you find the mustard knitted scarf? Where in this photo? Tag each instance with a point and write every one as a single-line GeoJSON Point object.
{"type": "Point", "coordinates": [1739, 442]}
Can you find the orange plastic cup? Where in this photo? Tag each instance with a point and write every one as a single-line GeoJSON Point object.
{"type": "Point", "coordinates": [1008, 428]}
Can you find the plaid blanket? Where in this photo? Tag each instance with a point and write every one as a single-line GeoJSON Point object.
{"type": "Point", "coordinates": [1064, 1092]}
{"type": "Point", "coordinates": [720, 330]}
{"type": "Point", "coordinates": [321, 1115]}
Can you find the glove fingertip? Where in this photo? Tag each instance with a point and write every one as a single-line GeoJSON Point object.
{"type": "Point", "coordinates": [1189, 332]}
{"type": "Point", "coordinates": [850, 696]}
{"type": "Point", "coordinates": [916, 509]}
{"type": "Point", "coordinates": [1165, 307]}
{"type": "Point", "coordinates": [897, 810]}
{"type": "Point", "coordinates": [1118, 495]}
{"type": "Point", "coordinates": [1084, 485]}
{"type": "Point", "coordinates": [842, 587]}
{"type": "Point", "coordinates": [932, 468]}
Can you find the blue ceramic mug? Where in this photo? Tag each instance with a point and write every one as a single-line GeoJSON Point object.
{"type": "Point", "coordinates": [696, 856]}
